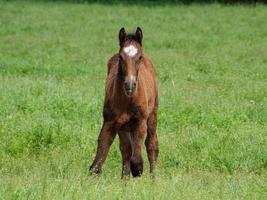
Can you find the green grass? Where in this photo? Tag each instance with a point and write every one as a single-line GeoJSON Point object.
{"type": "Point", "coordinates": [211, 62]}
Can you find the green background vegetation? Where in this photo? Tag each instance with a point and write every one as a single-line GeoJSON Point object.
{"type": "Point", "coordinates": [211, 62]}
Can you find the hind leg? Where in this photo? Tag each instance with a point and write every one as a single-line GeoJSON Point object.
{"type": "Point", "coordinates": [105, 139]}
{"type": "Point", "coordinates": [126, 153]}
{"type": "Point", "coordinates": [138, 135]}
{"type": "Point", "coordinates": [152, 142]}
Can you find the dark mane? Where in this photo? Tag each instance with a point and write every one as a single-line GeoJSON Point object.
{"type": "Point", "coordinates": [131, 36]}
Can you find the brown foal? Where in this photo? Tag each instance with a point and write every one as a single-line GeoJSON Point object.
{"type": "Point", "coordinates": [130, 107]}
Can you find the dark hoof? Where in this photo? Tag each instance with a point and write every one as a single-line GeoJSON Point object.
{"type": "Point", "coordinates": [94, 171]}
{"type": "Point", "coordinates": [136, 169]}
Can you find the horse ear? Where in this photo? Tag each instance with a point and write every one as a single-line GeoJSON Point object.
{"type": "Point", "coordinates": [139, 35]}
{"type": "Point", "coordinates": [122, 36]}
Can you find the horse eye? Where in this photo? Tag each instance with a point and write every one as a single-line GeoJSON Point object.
{"type": "Point", "coordinates": [139, 60]}
{"type": "Point", "coordinates": [121, 59]}
{"type": "Point", "coordinates": [121, 62]}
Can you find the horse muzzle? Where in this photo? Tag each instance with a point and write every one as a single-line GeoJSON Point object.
{"type": "Point", "coordinates": [130, 86]}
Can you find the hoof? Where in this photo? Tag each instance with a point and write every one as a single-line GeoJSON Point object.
{"type": "Point", "coordinates": [136, 169]}
{"type": "Point", "coordinates": [94, 171]}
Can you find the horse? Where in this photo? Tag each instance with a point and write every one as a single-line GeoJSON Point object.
{"type": "Point", "coordinates": [130, 107]}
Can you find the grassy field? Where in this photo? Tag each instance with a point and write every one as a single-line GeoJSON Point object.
{"type": "Point", "coordinates": [211, 62]}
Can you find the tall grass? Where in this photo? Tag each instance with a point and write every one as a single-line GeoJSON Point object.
{"type": "Point", "coordinates": [211, 64]}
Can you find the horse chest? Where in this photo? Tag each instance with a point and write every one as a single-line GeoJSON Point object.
{"type": "Point", "coordinates": [133, 113]}
{"type": "Point", "coordinates": [136, 112]}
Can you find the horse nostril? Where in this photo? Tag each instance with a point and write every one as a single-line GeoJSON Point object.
{"type": "Point", "coordinates": [127, 86]}
{"type": "Point", "coordinates": [134, 86]}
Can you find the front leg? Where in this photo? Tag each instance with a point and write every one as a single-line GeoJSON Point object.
{"type": "Point", "coordinates": [138, 135]}
{"type": "Point", "coordinates": [126, 152]}
{"type": "Point", "coordinates": [151, 142]}
{"type": "Point", "coordinates": [105, 139]}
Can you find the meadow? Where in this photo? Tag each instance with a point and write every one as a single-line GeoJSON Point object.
{"type": "Point", "coordinates": [211, 62]}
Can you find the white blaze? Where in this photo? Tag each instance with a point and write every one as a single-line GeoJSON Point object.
{"type": "Point", "coordinates": [132, 78]}
{"type": "Point", "coordinates": [130, 50]}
